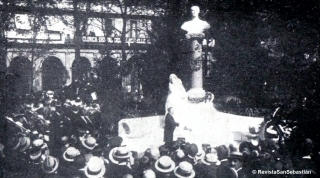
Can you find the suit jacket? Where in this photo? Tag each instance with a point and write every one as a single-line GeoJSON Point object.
{"type": "Point", "coordinates": [169, 127]}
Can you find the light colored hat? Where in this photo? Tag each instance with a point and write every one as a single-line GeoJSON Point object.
{"type": "Point", "coordinates": [38, 143]}
{"type": "Point", "coordinates": [127, 176]}
{"type": "Point", "coordinates": [119, 153]}
{"type": "Point", "coordinates": [89, 142]}
{"type": "Point", "coordinates": [95, 168]}
{"type": "Point", "coordinates": [149, 174]}
{"type": "Point", "coordinates": [165, 164]}
{"type": "Point", "coordinates": [180, 154]}
{"type": "Point", "coordinates": [35, 153]}
{"type": "Point", "coordinates": [23, 144]}
{"type": "Point", "coordinates": [50, 94]}
{"type": "Point", "coordinates": [70, 154]}
{"type": "Point", "coordinates": [154, 153]}
{"type": "Point", "coordinates": [211, 158]}
{"type": "Point", "coordinates": [184, 170]}
{"type": "Point", "coordinates": [50, 164]}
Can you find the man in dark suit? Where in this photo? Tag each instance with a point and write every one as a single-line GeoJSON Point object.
{"type": "Point", "coordinates": [170, 125]}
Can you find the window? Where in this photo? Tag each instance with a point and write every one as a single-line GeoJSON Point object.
{"type": "Point", "coordinates": [133, 29]}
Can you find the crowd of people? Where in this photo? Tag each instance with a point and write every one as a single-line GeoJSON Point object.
{"type": "Point", "coordinates": [50, 137]}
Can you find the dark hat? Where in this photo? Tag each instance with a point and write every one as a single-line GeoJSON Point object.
{"type": "Point", "coordinates": [164, 150]}
{"type": "Point", "coordinates": [165, 164]}
{"type": "Point", "coordinates": [235, 154]}
{"type": "Point", "coordinates": [80, 161]}
{"type": "Point", "coordinates": [192, 150]}
{"type": "Point", "coordinates": [119, 153]}
{"type": "Point", "coordinates": [89, 142]}
{"type": "Point", "coordinates": [184, 170]}
{"type": "Point", "coordinates": [222, 152]}
{"type": "Point", "coordinates": [50, 164]}
{"type": "Point", "coordinates": [95, 168]}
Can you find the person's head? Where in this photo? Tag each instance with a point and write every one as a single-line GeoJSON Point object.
{"type": "Point", "coordinates": [171, 110]}
{"type": "Point", "coordinates": [235, 163]}
{"type": "Point", "coordinates": [195, 11]}
{"type": "Point", "coordinates": [235, 159]}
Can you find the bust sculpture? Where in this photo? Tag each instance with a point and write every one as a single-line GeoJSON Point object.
{"type": "Point", "coordinates": [195, 25]}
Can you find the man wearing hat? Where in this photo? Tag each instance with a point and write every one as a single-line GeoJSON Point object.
{"type": "Point", "coordinates": [164, 167]}
{"type": "Point", "coordinates": [149, 174]}
{"type": "Point", "coordinates": [170, 126]}
{"type": "Point", "coordinates": [234, 167]}
{"type": "Point", "coordinates": [121, 161]}
{"type": "Point", "coordinates": [208, 166]}
{"type": "Point", "coordinates": [50, 166]}
{"type": "Point", "coordinates": [95, 168]}
{"type": "Point", "coordinates": [184, 170]}
{"type": "Point", "coordinates": [192, 151]}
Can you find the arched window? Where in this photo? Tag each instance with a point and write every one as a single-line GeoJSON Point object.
{"type": "Point", "coordinates": [21, 76]}
{"type": "Point", "coordinates": [53, 74]}
{"type": "Point", "coordinates": [81, 69]}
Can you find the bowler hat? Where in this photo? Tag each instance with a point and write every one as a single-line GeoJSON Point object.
{"type": "Point", "coordinates": [192, 149]}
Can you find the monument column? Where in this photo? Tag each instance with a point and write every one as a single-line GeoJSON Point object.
{"type": "Point", "coordinates": [195, 33]}
{"type": "Point", "coordinates": [194, 41]}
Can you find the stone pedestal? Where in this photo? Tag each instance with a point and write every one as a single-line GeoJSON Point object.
{"type": "Point", "coordinates": [194, 42]}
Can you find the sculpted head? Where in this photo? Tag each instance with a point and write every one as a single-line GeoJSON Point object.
{"type": "Point", "coordinates": [171, 110]}
{"type": "Point", "coordinates": [195, 10]}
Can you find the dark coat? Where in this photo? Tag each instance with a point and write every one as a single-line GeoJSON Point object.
{"type": "Point", "coordinates": [169, 127]}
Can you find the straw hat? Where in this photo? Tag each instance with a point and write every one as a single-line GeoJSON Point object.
{"type": "Point", "coordinates": [149, 174]}
{"type": "Point", "coordinates": [89, 142]}
{"type": "Point", "coordinates": [35, 153]}
{"type": "Point", "coordinates": [50, 164]}
{"type": "Point", "coordinates": [165, 164]}
{"type": "Point", "coordinates": [119, 153]}
{"type": "Point", "coordinates": [211, 158]}
{"type": "Point", "coordinates": [154, 153]}
{"type": "Point", "coordinates": [95, 168]}
{"type": "Point", "coordinates": [23, 144]}
{"type": "Point", "coordinates": [184, 170]}
{"type": "Point", "coordinates": [70, 154]}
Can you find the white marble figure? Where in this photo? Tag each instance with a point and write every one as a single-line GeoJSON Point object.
{"type": "Point", "coordinates": [177, 95]}
{"type": "Point", "coordinates": [195, 25]}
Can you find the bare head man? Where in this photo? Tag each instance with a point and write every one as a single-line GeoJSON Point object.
{"type": "Point", "coordinates": [195, 10]}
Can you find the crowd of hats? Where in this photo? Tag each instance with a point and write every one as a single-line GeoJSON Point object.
{"type": "Point", "coordinates": [63, 147]}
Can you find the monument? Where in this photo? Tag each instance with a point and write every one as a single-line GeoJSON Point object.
{"type": "Point", "coordinates": [199, 121]}
{"type": "Point", "coordinates": [195, 33]}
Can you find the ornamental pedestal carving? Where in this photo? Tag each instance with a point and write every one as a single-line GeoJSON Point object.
{"type": "Point", "coordinates": [194, 42]}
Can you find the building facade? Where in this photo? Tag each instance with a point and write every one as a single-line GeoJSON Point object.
{"type": "Point", "coordinates": [42, 45]}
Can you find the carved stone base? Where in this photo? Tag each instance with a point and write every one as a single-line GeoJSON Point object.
{"type": "Point", "coordinates": [196, 95]}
